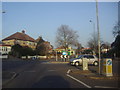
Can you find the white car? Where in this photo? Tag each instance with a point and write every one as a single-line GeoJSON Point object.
{"type": "Point", "coordinates": [92, 59]}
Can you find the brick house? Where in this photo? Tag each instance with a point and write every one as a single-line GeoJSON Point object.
{"type": "Point", "coordinates": [20, 38]}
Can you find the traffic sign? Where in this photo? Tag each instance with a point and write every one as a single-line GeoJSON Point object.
{"type": "Point", "coordinates": [107, 67]}
{"type": "Point", "coordinates": [61, 56]}
{"type": "Point", "coordinates": [65, 56]}
{"type": "Point", "coordinates": [64, 53]}
{"type": "Point", "coordinates": [109, 62]}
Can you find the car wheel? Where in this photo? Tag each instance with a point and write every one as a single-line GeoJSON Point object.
{"type": "Point", "coordinates": [95, 64]}
{"type": "Point", "coordinates": [76, 63]}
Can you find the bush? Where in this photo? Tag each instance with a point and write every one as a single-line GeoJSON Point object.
{"type": "Point", "coordinates": [18, 51]}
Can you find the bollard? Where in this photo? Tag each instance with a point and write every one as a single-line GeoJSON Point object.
{"type": "Point", "coordinates": [107, 67]}
{"type": "Point", "coordinates": [85, 64]}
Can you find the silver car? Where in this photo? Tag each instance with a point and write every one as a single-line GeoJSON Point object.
{"type": "Point", "coordinates": [92, 59]}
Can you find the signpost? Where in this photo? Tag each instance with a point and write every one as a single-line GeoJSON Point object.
{"type": "Point", "coordinates": [64, 53]}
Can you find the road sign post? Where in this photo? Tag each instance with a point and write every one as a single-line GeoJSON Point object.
{"type": "Point", "coordinates": [64, 53]}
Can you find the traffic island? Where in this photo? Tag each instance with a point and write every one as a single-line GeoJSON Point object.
{"type": "Point", "coordinates": [105, 78]}
{"type": "Point", "coordinates": [58, 62]}
{"type": "Point", "coordinates": [81, 72]}
{"type": "Point", "coordinates": [92, 75]}
{"type": "Point", "coordinates": [7, 76]}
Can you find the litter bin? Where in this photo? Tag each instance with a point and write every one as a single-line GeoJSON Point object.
{"type": "Point", "coordinates": [85, 64]}
{"type": "Point", "coordinates": [107, 67]}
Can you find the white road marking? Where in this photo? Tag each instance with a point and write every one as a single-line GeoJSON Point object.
{"type": "Point", "coordinates": [68, 71]}
{"type": "Point", "coordinates": [104, 87]}
{"type": "Point", "coordinates": [51, 70]}
{"type": "Point", "coordinates": [14, 75]}
{"type": "Point", "coordinates": [78, 81]}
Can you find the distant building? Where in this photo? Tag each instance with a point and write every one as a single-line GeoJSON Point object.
{"type": "Point", "coordinates": [20, 38]}
{"type": "Point", "coordinates": [61, 49]}
{"type": "Point", "coordinates": [39, 40]}
{"type": "Point", "coordinates": [105, 48]}
{"type": "Point", "coordinates": [87, 51]}
{"type": "Point", "coordinates": [4, 49]}
{"type": "Point", "coordinates": [46, 44]}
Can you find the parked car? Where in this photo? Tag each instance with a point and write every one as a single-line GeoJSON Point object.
{"type": "Point", "coordinates": [92, 59]}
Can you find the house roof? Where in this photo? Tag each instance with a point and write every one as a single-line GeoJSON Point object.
{"type": "Point", "coordinates": [19, 36]}
{"type": "Point", "coordinates": [61, 47]}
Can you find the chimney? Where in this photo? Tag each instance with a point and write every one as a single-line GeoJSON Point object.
{"type": "Point", "coordinates": [23, 31]}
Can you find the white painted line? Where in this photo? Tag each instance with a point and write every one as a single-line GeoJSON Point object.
{"type": "Point", "coordinates": [14, 75]}
{"type": "Point", "coordinates": [78, 81]}
{"type": "Point", "coordinates": [104, 87]}
{"type": "Point", "coordinates": [51, 70]}
{"type": "Point", "coordinates": [68, 71]}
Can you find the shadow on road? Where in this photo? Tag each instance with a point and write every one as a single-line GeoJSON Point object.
{"type": "Point", "coordinates": [52, 81]}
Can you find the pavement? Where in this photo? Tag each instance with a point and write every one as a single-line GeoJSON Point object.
{"type": "Point", "coordinates": [93, 75]}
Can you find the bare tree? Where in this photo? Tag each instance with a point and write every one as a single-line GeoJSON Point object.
{"type": "Point", "coordinates": [116, 44]}
{"type": "Point", "coordinates": [66, 36]}
{"type": "Point", "coordinates": [105, 45]}
{"type": "Point", "coordinates": [93, 42]}
{"type": "Point", "coordinates": [79, 47]}
{"type": "Point", "coordinates": [116, 29]}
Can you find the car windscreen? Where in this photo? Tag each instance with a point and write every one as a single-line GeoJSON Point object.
{"type": "Point", "coordinates": [79, 56]}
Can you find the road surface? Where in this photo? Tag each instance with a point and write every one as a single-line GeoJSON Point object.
{"type": "Point", "coordinates": [43, 74]}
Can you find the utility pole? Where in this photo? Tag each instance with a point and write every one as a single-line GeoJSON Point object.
{"type": "Point", "coordinates": [99, 56]}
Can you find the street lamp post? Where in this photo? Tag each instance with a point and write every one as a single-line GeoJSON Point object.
{"type": "Point", "coordinates": [99, 56]}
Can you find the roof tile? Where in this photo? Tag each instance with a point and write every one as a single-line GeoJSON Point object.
{"type": "Point", "coordinates": [19, 36]}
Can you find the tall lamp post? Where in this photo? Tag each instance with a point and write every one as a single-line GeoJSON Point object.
{"type": "Point", "coordinates": [99, 55]}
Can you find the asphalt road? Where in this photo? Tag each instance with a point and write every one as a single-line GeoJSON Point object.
{"type": "Point", "coordinates": [42, 74]}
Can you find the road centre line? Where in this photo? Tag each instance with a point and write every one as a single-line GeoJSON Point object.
{"type": "Point", "coordinates": [51, 70]}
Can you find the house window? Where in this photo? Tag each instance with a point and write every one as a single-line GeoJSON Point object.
{"type": "Point", "coordinates": [6, 49]}
{"type": "Point", "coordinates": [8, 42]}
{"type": "Point", "coordinates": [29, 43]}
